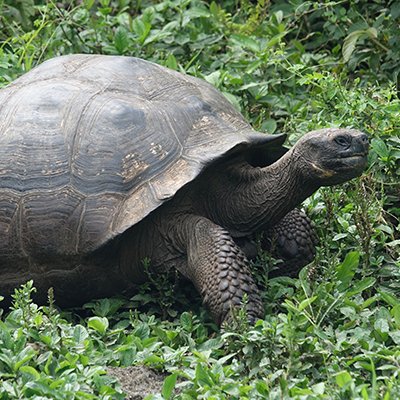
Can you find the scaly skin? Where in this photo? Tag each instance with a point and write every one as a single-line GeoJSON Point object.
{"type": "Point", "coordinates": [219, 270]}
{"type": "Point", "coordinates": [208, 256]}
{"type": "Point", "coordinates": [292, 240]}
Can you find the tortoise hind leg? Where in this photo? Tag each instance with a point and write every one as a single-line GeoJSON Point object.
{"type": "Point", "coordinates": [292, 240]}
{"type": "Point", "coordinates": [217, 267]}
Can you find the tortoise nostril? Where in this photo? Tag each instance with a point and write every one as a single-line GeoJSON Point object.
{"type": "Point", "coordinates": [364, 139]}
{"type": "Point", "coordinates": [365, 143]}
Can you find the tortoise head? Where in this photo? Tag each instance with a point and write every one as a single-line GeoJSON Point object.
{"type": "Point", "coordinates": [332, 155]}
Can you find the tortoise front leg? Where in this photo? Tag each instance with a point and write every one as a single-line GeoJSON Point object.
{"type": "Point", "coordinates": [293, 240]}
{"type": "Point", "coordinates": [218, 268]}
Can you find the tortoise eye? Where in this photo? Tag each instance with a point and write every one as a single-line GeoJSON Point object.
{"type": "Point", "coordinates": [342, 140]}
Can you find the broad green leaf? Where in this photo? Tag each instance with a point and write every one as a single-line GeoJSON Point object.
{"type": "Point", "coordinates": [171, 62]}
{"type": "Point", "coordinates": [305, 303]}
{"type": "Point", "coordinates": [84, 359]}
{"type": "Point", "coordinates": [262, 388]}
{"type": "Point", "coordinates": [269, 125]}
{"type": "Point", "coordinates": [138, 27]}
{"type": "Point", "coordinates": [275, 40]}
{"type": "Point", "coordinates": [142, 331]}
{"type": "Point", "coordinates": [380, 148]}
{"type": "Point", "coordinates": [346, 270]}
{"type": "Point", "coordinates": [153, 359]}
{"type": "Point", "coordinates": [121, 40]}
{"type": "Point", "coordinates": [211, 344]}
{"type": "Point", "coordinates": [290, 305]}
{"type": "Point", "coordinates": [46, 339]}
{"type": "Point", "coordinates": [213, 78]}
{"type": "Point", "coordinates": [105, 307]}
{"type": "Point", "coordinates": [385, 228]}
{"type": "Point", "coordinates": [339, 236]}
{"type": "Point", "coordinates": [99, 324]}
{"type": "Point", "coordinates": [225, 359]}
{"type": "Point", "coordinates": [250, 85]}
{"type": "Point", "coordinates": [396, 315]}
{"type": "Point", "coordinates": [155, 35]}
{"type": "Point", "coordinates": [381, 325]}
{"type": "Point", "coordinates": [197, 12]}
{"type": "Point", "coordinates": [26, 355]}
{"type": "Point", "coordinates": [142, 29]}
{"type": "Point", "coordinates": [361, 286]}
{"type": "Point", "coordinates": [80, 334]}
{"type": "Point", "coordinates": [246, 42]}
{"type": "Point", "coordinates": [349, 44]}
{"type": "Point", "coordinates": [203, 356]}
{"type": "Point", "coordinates": [278, 16]}
{"type": "Point", "coordinates": [47, 366]}
{"type": "Point", "coordinates": [232, 389]}
{"type": "Point", "coordinates": [389, 298]}
{"type": "Point", "coordinates": [203, 377]}
{"type": "Point", "coordinates": [214, 8]}
{"type": "Point", "coordinates": [395, 336]}
{"type": "Point", "coordinates": [319, 388]}
{"type": "Point", "coordinates": [233, 100]}
{"type": "Point", "coordinates": [393, 243]}
{"type": "Point", "coordinates": [27, 369]}
{"type": "Point", "coordinates": [168, 386]}
{"type": "Point", "coordinates": [186, 321]}
{"type": "Point", "coordinates": [350, 41]}
{"type": "Point", "coordinates": [297, 391]}
{"type": "Point", "coordinates": [395, 10]}
{"type": "Point", "coordinates": [88, 4]}
{"type": "Point", "coordinates": [305, 281]}
{"type": "Point", "coordinates": [372, 32]}
{"type": "Point", "coordinates": [368, 302]}
{"type": "Point", "coordinates": [343, 378]}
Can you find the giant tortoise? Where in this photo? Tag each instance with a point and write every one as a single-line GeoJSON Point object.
{"type": "Point", "coordinates": [107, 161]}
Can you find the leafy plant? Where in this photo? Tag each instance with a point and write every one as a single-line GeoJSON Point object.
{"type": "Point", "coordinates": [291, 67]}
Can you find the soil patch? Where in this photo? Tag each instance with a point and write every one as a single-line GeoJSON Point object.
{"type": "Point", "coordinates": [138, 381]}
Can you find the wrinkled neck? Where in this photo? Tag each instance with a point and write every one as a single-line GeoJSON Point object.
{"type": "Point", "coordinates": [259, 197]}
{"type": "Point", "coordinates": [282, 187]}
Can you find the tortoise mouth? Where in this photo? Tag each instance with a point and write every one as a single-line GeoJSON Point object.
{"type": "Point", "coordinates": [359, 158]}
{"type": "Point", "coordinates": [346, 164]}
{"type": "Point", "coordinates": [354, 164]}
{"type": "Point", "coordinates": [356, 155]}
{"type": "Point", "coordinates": [355, 158]}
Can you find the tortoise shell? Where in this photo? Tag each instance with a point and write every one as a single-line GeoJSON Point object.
{"type": "Point", "coordinates": [90, 145]}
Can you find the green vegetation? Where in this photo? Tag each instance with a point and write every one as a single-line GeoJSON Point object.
{"type": "Point", "coordinates": [291, 67]}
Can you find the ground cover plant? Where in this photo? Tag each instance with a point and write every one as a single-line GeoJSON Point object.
{"type": "Point", "coordinates": [333, 333]}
